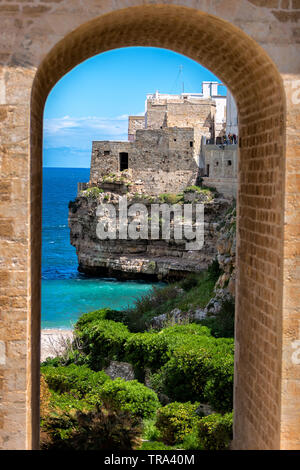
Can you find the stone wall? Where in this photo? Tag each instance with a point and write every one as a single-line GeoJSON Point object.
{"type": "Point", "coordinates": [161, 144]}
{"type": "Point", "coordinates": [162, 159]}
{"type": "Point", "coordinates": [222, 161]}
{"type": "Point", "coordinates": [135, 123]}
{"type": "Point", "coordinates": [228, 187]}
{"type": "Point", "coordinates": [105, 158]}
{"type": "Point", "coordinates": [190, 114]}
{"type": "Point", "coordinates": [198, 114]}
{"type": "Point", "coordinates": [221, 170]}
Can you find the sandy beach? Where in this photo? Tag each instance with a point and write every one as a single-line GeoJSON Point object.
{"type": "Point", "coordinates": [53, 342]}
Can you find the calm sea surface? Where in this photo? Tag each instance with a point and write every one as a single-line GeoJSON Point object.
{"type": "Point", "coordinates": [66, 294]}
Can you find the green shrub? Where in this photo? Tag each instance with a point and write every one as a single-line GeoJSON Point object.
{"type": "Point", "coordinates": [212, 189]}
{"type": "Point", "coordinates": [222, 325]}
{"type": "Point", "coordinates": [191, 441]}
{"type": "Point", "coordinates": [181, 379]}
{"type": "Point", "coordinates": [155, 446]}
{"type": "Point", "coordinates": [176, 420]}
{"type": "Point", "coordinates": [215, 431]}
{"type": "Point", "coordinates": [155, 349]}
{"type": "Point", "coordinates": [193, 189]}
{"type": "Point", "coordinates": [190, 331]}
{"type": "Point", "coordinates": [199, 370]}
{"type": "Point", "coordinates": [90, 317]}
{"type": "Point", "coordinates": [189, 282]}
{"type": "Point", "coordinates": [204, 190]}
{"type": "Point", "coordinates": [102, 314]}
{"type": "Point", "coordinates": [218, 390]}
{"type": "Point", "coordinates": [130, 396]}
{"type": "Point", "coordinates": [102, 341]}
{"type": "Point", "coordinates": [67, 402]}
{"type": "Point", "coordinates": [91, 192]}
{"type": "Point", "coordinates": [95, 430]}
{"type": "Point", "coordinates": [52, 361]}
{"type": "Point", "coordinates": [78, 380]}
{"type": "Point", "coordinates": [147, 350]}
{"type": "Point", "coordinates": [150, 431]}
{"type": "Point", "coordinates": [169, 198]}
{"type": "Point", "coordinates": [214, 270]}
{"type": "Point", "coordinates": [56, 429]}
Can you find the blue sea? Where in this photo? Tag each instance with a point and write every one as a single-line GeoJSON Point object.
{"type": "Point", "coordinates": [66, 293]}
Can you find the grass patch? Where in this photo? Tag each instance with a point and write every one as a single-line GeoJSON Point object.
{"type": "Point", "coordinates": [195, 291]}
{"type": "Point", "coordinates": [91, 192]}
{"type": "Point", "coordinates": [150, 431]}
{"type": "Point", "coordinates": [156, 446]}
{"type": "Point", "coordinates": [169, 198]}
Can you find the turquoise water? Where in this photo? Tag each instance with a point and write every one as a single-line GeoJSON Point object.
{"type": "Point", "coordinates": [65, 300]}
{"type": "Point", "coordinates": [66, 293]}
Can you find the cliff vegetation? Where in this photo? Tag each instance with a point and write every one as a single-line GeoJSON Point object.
{"type": "Point", "coordinates": [157, 376]}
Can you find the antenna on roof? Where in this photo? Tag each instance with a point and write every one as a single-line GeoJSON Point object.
{"type": "Point", "coordinates": [181, 76]}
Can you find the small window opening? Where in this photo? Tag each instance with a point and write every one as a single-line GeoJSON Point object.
{"type": "Point", "coordinates": [229, 162]}
{"type": "Point", "coordinates": [106, 152]}
{"type": "Point", "coordinates": [123, 161]}
{"type": "Point", "coordinates": [191, 144]}
{"type": "Point", "coordinates": [207, 170]}
{"type": "Point", "coordinates": [217, 163]}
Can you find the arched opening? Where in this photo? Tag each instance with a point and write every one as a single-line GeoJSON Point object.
{"type": "Point", "coordinates": [256, 85]}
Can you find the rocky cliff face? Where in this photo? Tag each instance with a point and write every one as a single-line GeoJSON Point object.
{"type": "Point", "coordinates": [225, 285]}
{"type": "Point", "coordinates": [226, 247]}
{"type": "Point", "coordinates": [130, 259]}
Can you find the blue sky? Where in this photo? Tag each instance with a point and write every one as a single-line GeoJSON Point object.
{"type": "Point", "coordinates": [93, 101]}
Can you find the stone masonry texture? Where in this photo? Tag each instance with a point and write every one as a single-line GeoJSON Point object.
{"type": "Point", "coordinates": [41, 41]}
{"type": "Point", "coordinates": [164, 150]}
{"type": "Point", "coordinates": [162, 159]}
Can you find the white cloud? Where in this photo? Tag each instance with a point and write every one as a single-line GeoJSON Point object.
{"type": "Point", "coordinates": [55, 125]}
{"type": "Point", "coordinates": [79, 132]}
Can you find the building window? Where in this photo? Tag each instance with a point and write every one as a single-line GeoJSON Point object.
{"type": "Point", "coordinates": [174, 140]}
{"type": "Point", "coordinates": [217, 163]}
{"type": "Point", "coordinates": [229, 162]}
{"type": "Point", "coordinates": [106, 152]}
{"type": "Point", "coordinates": [207, 170]}
{"type": "Point", "coordinates": [191, 144]}
{"type": "Point", "coordinates": [123, 161]}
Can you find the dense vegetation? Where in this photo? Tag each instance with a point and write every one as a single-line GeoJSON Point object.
{"type": "Point", "coordinates": [178, 367]}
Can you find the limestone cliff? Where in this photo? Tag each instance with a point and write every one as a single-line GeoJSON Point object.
{"type": "Point", "coordinates": [226, 246]}
{"type": "Point", "coordinates": [224, 290]}
{"type": "Point", "coordinates": [130, 259]}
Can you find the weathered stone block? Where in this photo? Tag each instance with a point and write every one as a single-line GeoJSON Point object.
{"type": "Point", "coordinates": [2, 353]}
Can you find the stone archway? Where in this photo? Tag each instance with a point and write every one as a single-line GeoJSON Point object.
{"type": "Point", "coordinates": [265, 376]}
